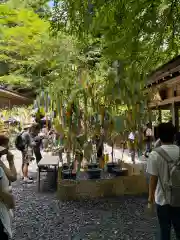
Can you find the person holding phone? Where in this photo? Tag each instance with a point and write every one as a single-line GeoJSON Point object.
{"type": "Point", "coordinates": [7, 175]}
{"type": "Point", "coordinates": [11, 171]}
{"type": "Point", "coordinates": [6, 197]}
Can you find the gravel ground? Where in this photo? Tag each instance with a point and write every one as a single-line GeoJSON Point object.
{"type": "Point", "coordinates": [40, 216]}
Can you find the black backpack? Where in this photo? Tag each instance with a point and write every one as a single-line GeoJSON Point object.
{"type": "Point", "coordinates": [19, 142]}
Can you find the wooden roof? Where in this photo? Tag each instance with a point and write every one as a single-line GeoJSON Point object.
{"type": "Point", "coordinates": [10, 98]}
{"type": "Point", "coordinates": [166, 72]}
{"type": "Point", "coordinates": [166, 102]}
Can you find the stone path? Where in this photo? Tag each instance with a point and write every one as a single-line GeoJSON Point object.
{"type": "Point", "coordinates": [41, 216]}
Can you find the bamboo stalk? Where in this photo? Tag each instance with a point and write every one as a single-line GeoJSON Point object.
{"type": "Point", "coordinates": [85, 114]}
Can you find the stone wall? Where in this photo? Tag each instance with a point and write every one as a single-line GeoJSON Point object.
{"type": "Point", "coordinates": [118, 186]}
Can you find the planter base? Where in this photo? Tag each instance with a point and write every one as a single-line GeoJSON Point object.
{"type": "Point", "coordinates": [92, 165]}
{"type": "Point", "coordinates": [68, 174]}
{"type": "Point", "coordinates": [89, 189]}
{"type": "Point", "coordinates": [111, 166]}
{"type": "Point", "coordinates": [67, 191]}
{"type": "Point", "coordinates": [94, 173]}
{"type": "Point", "coordinates": [120, 172]}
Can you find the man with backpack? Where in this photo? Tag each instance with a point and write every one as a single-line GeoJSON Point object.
{"type": "Point", "coordinates": [25, 143]}
{"type": "Point", "coordinates": [163, 167]}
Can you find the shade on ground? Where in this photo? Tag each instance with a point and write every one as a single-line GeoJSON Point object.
{"type": "Point", "coordinates": [40, 216]}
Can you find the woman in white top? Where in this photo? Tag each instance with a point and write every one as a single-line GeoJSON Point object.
{"type": "Point", "coordinates": [131, 139]}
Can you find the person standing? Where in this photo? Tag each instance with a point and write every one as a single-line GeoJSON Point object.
{"type": "Point", "coordinates": [12, 174]}
{"type": "Point", "coordinates": [26, 150]}
{"type": "Point", "coordinates": [148, 139]}
{"type": "Point", "coordinates": [132, 150]}
{"type": "Point", "coordinates": [163, 167]}
{"type": "Point", "coordinates": [6, 198]}
{"type": "Point", "coordinates": [44, 136]}
{"type": "Point", "coordinates": [36, 141]}
{"type": "Point", "coordinates": [29, 144]}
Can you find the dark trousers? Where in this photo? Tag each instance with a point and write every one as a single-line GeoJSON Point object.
{"type": "Point", "coordinates": [168, 216]}
{"type": "Point", "coordinates": [38, 155]}
{"type": "Point", "coordinates": [148, 147]}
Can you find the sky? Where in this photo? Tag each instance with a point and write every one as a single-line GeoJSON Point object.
{"type": "Point", "coordinates": [51, 3]}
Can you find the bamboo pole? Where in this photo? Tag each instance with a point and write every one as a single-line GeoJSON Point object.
{"type": "Point", "coordinates": [85, 113]}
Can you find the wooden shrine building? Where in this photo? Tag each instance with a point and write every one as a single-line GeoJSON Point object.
{"type": "Point", "coordinates": [10, 99]}
{"type": "Point", "coordinates": [164, 86]}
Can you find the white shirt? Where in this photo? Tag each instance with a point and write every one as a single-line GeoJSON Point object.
{"type": "Point", "coordinates": [5, 213]}
{"type": "Point", "coordinates": [148, 132]}
{"type": "Point", "coordinates": [157, 166]}
{"type": "Point", "coordinates": [131, 136]}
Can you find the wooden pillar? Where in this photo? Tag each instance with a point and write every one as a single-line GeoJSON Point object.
{"type": "Point", "coordinates": [175, 117]}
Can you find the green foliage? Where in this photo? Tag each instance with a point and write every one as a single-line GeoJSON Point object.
{"type": "Point", "coordinates": [21, 36]}
{"type": "Point", "coordinates": [32, 56]}
{"type": "Point", "coordinates": [87, 53]}
{"type": "Point", "coordinates": [41, 7]}
{"type": "Point", "coordinates": [141, 35]}
{"type": "Point", "coordinates": [15, 80]}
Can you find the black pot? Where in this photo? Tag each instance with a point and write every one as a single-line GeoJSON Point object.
{"type": "Point", "coordinates": [94, 173]}
{"type": "Point", "coordinates": [120, 172]}
{"type": "Point", "coordinates": [65, 167]}
{"type": "Point", "coordinates": [68, 174]}
{"type": "Point", "coordinates": [92, 165]}
{"type": "Point", "coordinates": [111, 166]}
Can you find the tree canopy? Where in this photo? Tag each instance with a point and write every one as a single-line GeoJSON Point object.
{"type": "Point", "coordinates": [29, 55]}
{"type": "Point", "coordinates": [21, 34]}
{"type": "Point", "coordinates": [141, 35]}
{"type": "Point", "coordinates": [98, 50]}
